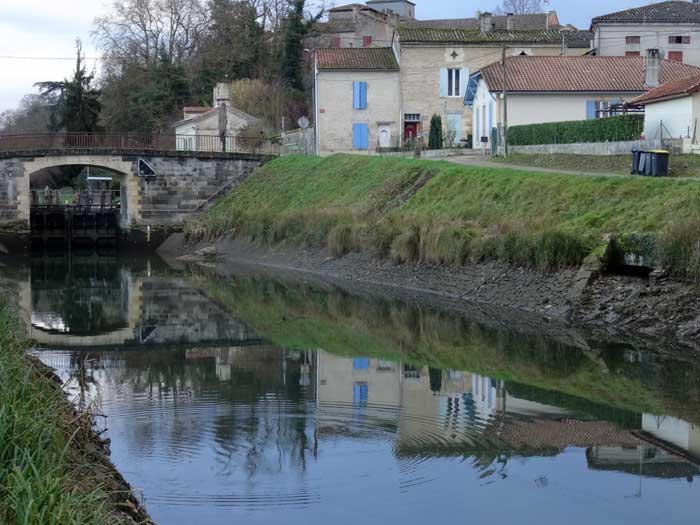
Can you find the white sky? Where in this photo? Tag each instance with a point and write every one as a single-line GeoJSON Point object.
{"type": "Point", "coordinates": [48, 28]}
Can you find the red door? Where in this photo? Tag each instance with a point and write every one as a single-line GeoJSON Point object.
{"type": "Point", "coordinates": [410, 130]}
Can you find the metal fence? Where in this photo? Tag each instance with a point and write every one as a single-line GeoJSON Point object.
{"type": "Point", "coordinates": [137, 142]}
{"type": "Point", "coordinates": [87, 200]}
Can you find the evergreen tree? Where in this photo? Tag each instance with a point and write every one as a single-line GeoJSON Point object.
{"type": "Point", "coordinates": [292, 46]}
{"type": "Point", "coordinates": [435, 137]}
{"type": "Point", "coordinates": [75, 105]}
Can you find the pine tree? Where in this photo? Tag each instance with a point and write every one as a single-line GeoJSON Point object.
{"type": "Point", "coordinates": [75, 105]}
{"type": "Point", "coordinates": [294, 31]}
{"type": "Point", "coordinates": [435, 137]}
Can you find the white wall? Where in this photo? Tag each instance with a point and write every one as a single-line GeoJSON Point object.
{"type": "Point", "coordinates": [535, 109]}
{"type": "Point", "coordinates": [675, 115]}
{"type": "Point", "coordinates": [610, 40]}
{"type": "Point", "coordinates": [480, 113]}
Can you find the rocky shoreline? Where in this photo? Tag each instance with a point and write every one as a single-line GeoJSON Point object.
{"type": "Point", "coordinates": [615, 306]}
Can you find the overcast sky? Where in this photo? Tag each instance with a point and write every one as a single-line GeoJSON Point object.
{"type": "Point", "coordinates": [48, 28]}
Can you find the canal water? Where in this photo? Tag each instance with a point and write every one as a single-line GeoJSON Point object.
{"type": "Point", "coordinates": [267, 399]}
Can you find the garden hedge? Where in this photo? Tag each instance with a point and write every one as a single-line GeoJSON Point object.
{"type": "Point", "coordinates": [610, 129]}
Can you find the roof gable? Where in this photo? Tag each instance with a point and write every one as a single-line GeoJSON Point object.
{"type": "Point", "coordinates": [674, 12]}
{"type": "Point", "coordinates": [357, 58]}
{"type": "Point", "coordinates": [669, 91]}
{"type": "Point", "coordinates": [211, 112]}
{"type": "Point", "coordinates": [585, 74]}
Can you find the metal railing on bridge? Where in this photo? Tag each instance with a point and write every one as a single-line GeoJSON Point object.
{"type": "Point", "coordinates": [138, 142]}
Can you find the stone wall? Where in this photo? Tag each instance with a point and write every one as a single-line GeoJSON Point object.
{"type": "Point", "coordinates": [589, 148]}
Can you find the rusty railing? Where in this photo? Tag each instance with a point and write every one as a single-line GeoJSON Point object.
{"type": "Point", "coordinates": [137, 142]}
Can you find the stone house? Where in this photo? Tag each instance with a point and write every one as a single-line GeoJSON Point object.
{"type": "Point", "coordinates": [562, 88]}
{"type": "Point", "coordinates": [354, 25]}
{"type": "Point", "coordinates": [200, 126]}
{"type": "Point", "coordinates": [436, 64]}
{"type": "Point", "coordinates": [357, 99]}
{"type": "Point", "coordinates": [672, 27]}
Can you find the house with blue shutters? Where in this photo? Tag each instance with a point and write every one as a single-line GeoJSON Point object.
{"type": "Point", "coordinates": [356, 100]}
{"type": "Point", "coordinates": [562, 88]}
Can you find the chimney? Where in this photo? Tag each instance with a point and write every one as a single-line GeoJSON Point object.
{"type": "Point", "coordinates": [222, 94]}
{"type": "Point", "coordinates": [651, 69]}
{"type": "Point", "coordinates": [486, 22]}
{"type": "Point", "coordinates": [509, 17]}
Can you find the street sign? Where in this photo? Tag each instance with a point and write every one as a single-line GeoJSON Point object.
{"type": "Point", "coordinates": [145, 169]}
{"type": "Point", "coordinates": [303, 122]}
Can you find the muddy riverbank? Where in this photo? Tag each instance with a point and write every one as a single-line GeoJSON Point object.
{"type": "Point", "coordinates": [608, 305]}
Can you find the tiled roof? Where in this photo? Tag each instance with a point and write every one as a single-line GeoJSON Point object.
{"type": "Point", "coordinates": [501, 23]}
{"type": "Point", "coordinates": [422, 35]}
{"type": "Point", "coordinates": [579, 74]}
{"type": "Point", "coordinates": [670, 90]}
{"type": "Point", "coordinates": [676, 12]}
{"type": "Point", "coordinates": [369, 58]}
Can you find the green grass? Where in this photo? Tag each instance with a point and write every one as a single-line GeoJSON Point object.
{"type": "Point", "coordinates": [43, 479]}
{"type": "Point", "coordinates": [679, 165]}
{"type": "Point", "coordinates": [413, 210]}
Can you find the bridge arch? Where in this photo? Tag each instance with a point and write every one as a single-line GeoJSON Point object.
{"type": "Point", "coordinates": [124, 169]}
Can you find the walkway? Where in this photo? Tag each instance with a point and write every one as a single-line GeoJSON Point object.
{"type": "Point", "coordinates": [483, 161]}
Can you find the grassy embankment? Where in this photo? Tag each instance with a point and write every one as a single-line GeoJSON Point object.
{"type": "Point", "coordinates": [679, 165]}
{"type": "Point", "coordinates": [439, 212]}
{"type": "Point", "coordinates": [44, 476]}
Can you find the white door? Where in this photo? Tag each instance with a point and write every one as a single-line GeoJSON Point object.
{"type": "Point", "coordinates": [384, 137]}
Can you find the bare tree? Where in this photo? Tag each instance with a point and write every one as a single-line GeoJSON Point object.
{"type": "Point", "coordinates": [33, 115]}
{"type": "Point", "coordinates": [520, 7]}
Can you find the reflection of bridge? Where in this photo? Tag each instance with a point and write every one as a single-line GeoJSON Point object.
{"type": "Point", "coordinates": [176, 179]}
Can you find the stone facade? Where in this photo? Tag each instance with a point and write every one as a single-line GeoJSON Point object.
{"type": "Point", "coordinates": [420, 80]}
{"type": "Point", "coordinates": [336, 114]}
{"type": "Point", "coordinates": [184, 184]}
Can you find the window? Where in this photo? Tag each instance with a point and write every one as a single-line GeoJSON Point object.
{"type": "Point", "coordinates": [411, 117]}
{"type": "Point", "coordinates": [679, 40]}
{"type": "Point", "coordinates": [675, 56]}
{"type": "Point", "coordinates": [335, 41]}
{"type": "Point", "coordinates": [453, 82]}
{"type": "Point", "coordinates": [360, 136]}
{"type": "Point", "coordinates": [366, 41]}
{"type": "Point", "coordinates": [633, 40]}
{"type": "Point", "coordinates": [359, 95]}
{"type": "Point", "coordinates": [632, 53]}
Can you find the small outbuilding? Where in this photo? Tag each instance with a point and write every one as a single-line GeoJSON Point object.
{"type": "Point", "coordinates": [672, 110]}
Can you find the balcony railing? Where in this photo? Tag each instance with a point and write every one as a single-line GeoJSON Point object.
{"type": "Point", "coordinates": [137, 142]}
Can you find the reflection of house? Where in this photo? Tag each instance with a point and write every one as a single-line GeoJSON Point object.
{"type": "Point", "coordinates": [643, 460]}
{"type": "Point", "coordinates": [203, 125]}
{"type": "Point", "coordinates": [681, 434]}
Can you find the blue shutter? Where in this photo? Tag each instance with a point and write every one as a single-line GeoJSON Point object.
{"type": "Point", "coordinates": [464, 82]}
{"type": "Point", "coordinates": [590, 109]}
{"type": "Point", "coordinates": [356, 99]}
{"type": "Point", "coordinates": [360, 136]}
{"type": "Point", "coordinates": [443, 81]}
{"type": "Point", "coordinates": [477, 138]}
{"type": "Point", "coordinates": [363, 95]}
{"type": "Point", "coordinates": [360, 363]}
{"type": "Point", "coordinates": [490, 117]}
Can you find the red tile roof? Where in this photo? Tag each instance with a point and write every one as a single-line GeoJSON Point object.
{"type": "Point", "coordinates": [674, 12]}
{"type": "Point", "coordinates": [370, 58]}
{"type": "Point", "coordinates": [410, 34]}
{"type": "Point", "coordinates": [586, 74]}
{"type": "Point", "coordinates": [670, 90]}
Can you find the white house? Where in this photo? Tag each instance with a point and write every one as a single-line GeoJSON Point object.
{"type": "Point", "coordinates": [672, 110]}
{"type": "Point", "coordinates": [201, 127]}
{"type": "Point", "coordinates": [562, 88]}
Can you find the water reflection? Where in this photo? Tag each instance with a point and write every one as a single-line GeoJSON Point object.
{"type": "Point", "coordinates": [368, 409]}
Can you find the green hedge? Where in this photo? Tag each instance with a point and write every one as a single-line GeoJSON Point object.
{"type": "Point", "coordinates": [611, 129]}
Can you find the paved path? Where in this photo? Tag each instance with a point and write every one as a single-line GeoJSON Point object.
{"type": "Point", "coordinates": [483, 161]}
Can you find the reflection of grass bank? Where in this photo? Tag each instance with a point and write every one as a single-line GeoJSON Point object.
{"type": "Point", "coordinates": [302, 317]}
{"type": "Point", "coordinates": [46, 473]}
{"type": "Point", "coordinates": [412, 210]}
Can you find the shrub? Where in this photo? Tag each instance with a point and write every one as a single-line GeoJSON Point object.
{"type": "Point", "coordinates": [678, 248]}
{"type": "Point", "coordinates": [612, 129]}
{"type": "Point", "coordinates": [435, 137]}
{"type": "Point", "coordinates": [406, 246]}
{"type": "Point", "coordinates": [446, 244]}
{"type": "Point", "coordinates": [340, 240]}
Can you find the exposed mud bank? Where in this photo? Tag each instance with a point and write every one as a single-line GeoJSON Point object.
{"type": "Point", "coordinates": [565, 304]}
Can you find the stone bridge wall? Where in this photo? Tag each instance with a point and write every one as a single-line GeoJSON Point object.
{"type": "Point", "coordinates": [185, 184]}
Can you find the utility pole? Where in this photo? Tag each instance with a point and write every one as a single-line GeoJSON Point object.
{"type": "Point", "coordinates": [505, 103]}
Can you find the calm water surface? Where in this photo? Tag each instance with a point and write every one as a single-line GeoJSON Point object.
{"type": "Point", "coordinates": [268, 400]}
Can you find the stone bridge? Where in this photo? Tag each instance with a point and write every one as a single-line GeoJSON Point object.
{"type": "Point", "coordinates": [161, 184]}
